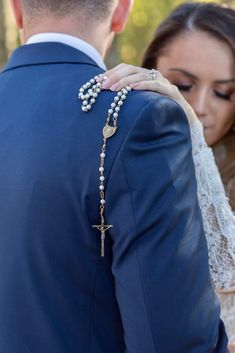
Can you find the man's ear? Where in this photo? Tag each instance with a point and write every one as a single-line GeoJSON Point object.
{"type": "Point", "coordinates": [17, 7]}
{"type": "Point", "coordinates": [121, 15]}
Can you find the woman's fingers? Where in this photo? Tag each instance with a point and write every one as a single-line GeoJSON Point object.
{"type": "Point", "coordinates": [121, 67]}
{"type": "Point", "coordinates": [127, 80]}
{"type": "Point", "coordinates": [112, 71]}
{"type": "Point", "coordinates": [119, 73]}
{"type": "Point", "coordinates": [139, 79]}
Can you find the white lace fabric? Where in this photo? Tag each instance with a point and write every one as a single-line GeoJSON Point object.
{"type": "Point", "coordinates": [218, 219]}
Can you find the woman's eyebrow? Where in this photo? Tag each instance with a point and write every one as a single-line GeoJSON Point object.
{"type": "Point", "coordinates": [187, 73]}
{"type": "Point", "coordinates": [184, 72]}
{"type": "Point", "coordinates": [230, 80]}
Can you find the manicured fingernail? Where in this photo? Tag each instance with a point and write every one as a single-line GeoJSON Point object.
{"type": "Point", "coordinates": [115, 87]}
{"type": "Point", "coordinates": [106, 84]}
{"type": "Point", "coordinates": [102, 78]}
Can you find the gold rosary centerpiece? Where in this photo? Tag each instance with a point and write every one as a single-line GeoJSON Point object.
{"type": "Point", "coordinates": [109, 131]}
{"type": "Point", "coordinates": [88, 93]}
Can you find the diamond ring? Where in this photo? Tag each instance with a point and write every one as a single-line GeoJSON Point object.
{"type": "Point", "coordinates": [154, 74]}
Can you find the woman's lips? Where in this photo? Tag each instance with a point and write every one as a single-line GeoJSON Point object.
{"type": "Point", "coordinates": [206, 124]}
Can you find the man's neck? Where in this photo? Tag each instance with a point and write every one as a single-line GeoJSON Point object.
{"type": "Point", "coordinates": [100, 41]}
{"type": "Point", "coordinates": [71, 41]}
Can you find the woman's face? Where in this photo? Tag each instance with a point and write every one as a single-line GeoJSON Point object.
{"type": "Point", "coordinates": [203, 68]}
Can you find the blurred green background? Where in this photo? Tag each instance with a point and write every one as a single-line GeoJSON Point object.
{"type": "Point", "coordinates": [128, 47]}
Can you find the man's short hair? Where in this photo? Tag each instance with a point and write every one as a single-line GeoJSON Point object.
{"type": "Point", "coordinates": [62, 7]}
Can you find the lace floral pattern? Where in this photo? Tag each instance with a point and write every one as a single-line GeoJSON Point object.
{"type": "Point", "coordinates": [218, 219]}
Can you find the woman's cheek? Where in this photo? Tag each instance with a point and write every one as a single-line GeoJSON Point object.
{"type": "Point", "coordinates": [218, 131]}
{"type": "Point", "coordinates": [210, 136]}
{"type": "Point", "coordinates": [228, 118]}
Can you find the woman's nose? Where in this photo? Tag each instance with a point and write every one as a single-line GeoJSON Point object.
{"type": "Point", "coordinates": [200, 104]}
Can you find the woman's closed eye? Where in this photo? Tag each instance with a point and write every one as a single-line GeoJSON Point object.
{"type": "Point", "coordinates": [184, 88]}
{"type": "Point", "coordinates": [222, 95]}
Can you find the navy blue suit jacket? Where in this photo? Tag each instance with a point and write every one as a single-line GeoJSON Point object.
{"type": "Point", "coordinates": [152, 292]}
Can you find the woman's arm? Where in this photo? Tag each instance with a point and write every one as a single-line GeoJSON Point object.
{"type": "Point", "coordinates": [218, 220]}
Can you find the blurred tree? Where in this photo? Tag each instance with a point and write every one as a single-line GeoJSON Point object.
{"type": "Point", "coordinates": [3, 47]}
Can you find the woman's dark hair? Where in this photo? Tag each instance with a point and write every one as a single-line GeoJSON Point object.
{"type": "Point", "coordinates": [216, 20]}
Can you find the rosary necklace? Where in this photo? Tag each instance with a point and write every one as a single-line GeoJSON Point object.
{"type": "Point", "coordinates": [88, 93]}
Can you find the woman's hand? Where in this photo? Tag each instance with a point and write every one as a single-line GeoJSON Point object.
{"type": "Point", "coordinates": [140, 79]}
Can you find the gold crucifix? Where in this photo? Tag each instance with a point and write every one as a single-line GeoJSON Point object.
{"type": "Point", "coordinates": [102, 228]}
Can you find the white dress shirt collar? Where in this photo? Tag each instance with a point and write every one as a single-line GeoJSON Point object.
{"type": "Point", "coordinates": [72, 41]}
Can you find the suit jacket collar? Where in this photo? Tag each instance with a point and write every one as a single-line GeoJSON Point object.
{"type": "Point", "coordinates": [46, 53]}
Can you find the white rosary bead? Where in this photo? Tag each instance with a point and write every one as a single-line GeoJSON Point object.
{"type": "Point", "coordinates": [92, 100]}
{"type": "Point", "coordinates": [85, 103]}
{"type": "Point", "coordinates": [120, 103]}
{"type": "Point", "coordinates": [87, 96]}
{"type": "Point", "coordinates": [110, 111]}
{"type": "Point", "coordinates": [102, 178]}
{"type": "Point", "coordinates": [124, 91]}
{"type": "Point", "coordinates": [98, 90]}
{"type": "Point", "coordinates": [116, 99]}
{"type": "Point", "coordinates": [101, 169]}
{"type": "Point", "coordinates": [81, 90]}
{"type": "Point", "coordinates": [115, 115]}
{"type": "Point", "coordinates": [95, 95]}
{"type": "Point", "coordinates": [123, 97]}
{"type": "Point", "coordinates": [102, 201]}
{"type": "Point", "coordinates": [119, 94]}
{"type": "Point", "coordinates": [84, 109]}
{"type": "Point", "coordinates": [92, 81]}
{"type": "Point", "coordinates": [128, 88]}
{"type": "Point", "coordinates": [101, 187]}
{"type": "Point", "coordinates": [88, 107]}
{"type": "Point", "coordinates": [113, 105]}
{"type": "Point", "coordinates": [117, 109]}
{"type": "Point", "coordinates": [102, 155]}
